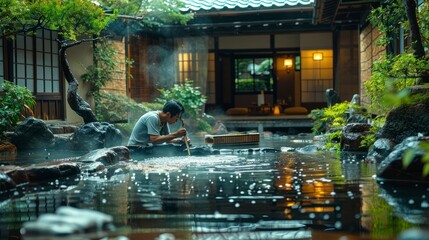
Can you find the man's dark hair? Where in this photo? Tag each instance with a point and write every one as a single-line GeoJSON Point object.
{"type": "Point", "coordinates": [173, 107]}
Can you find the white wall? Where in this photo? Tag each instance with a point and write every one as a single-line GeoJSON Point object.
{"type": "Point", "coordinates": [79, 57]}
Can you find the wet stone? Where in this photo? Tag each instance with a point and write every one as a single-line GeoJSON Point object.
{"type": "Point", "coordinates": [309, 149]}
{"type": "Point", "coordinates": [92, 162]}
{"type": "Point", "coordinates": [93, 167]}
{"type": "Point", "coordinates": [62, 141]}
{"type": "Point", "coordinates": [352, 136]}
{"type": "Point", "coordinates": [32, 133]}
{"type": "Point", "coordinates": [17, 174]}
{"type": "Point", "coordinates": [106, 155]}
{"type": "Point", "coordinates": [56, 170]}
{"type": "Point", "coordinates": [380, 150]}
{"type": "Point", "coordinates": [287, 149]}
{"type": "Point", "coordinates": [101, 220]}
{"type": "Point", "coordinates": [203, 151]}
{"type": "Point", "coordinates": [69, 221]}
{"type": "Point", "coordinates": [414, 234]}
{"type": "Point", "coordinates": [6, 182]}
{"type": "Point", "coordinates": [41, 172]}
{"type": "Point", "coordinates": [402, 122]}
{"type": "Point", "coordinates": [392, 166]}
{"type": "Point", "coordinates": [96, 135]}
{"type": "Point", "coordinates": [57, 129]}
{"type": "Point", "coordinates": [265, 150]}
{"type": "Point", "coordinates": [7, 148]}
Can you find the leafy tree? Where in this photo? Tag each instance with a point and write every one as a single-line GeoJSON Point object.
{"type": "Point", "coordinates": [393, 74]}
{"type": "Point", "coordinates": [77, 18]}
{"type": "Point", "coordinates": [70, 18]}
{"type": "Point", "coordinates": [390, 80]}
{"type": "Point", "coordinates": [138, 15]}
{"type": "Point", "coordinates": [391, 17]}
{"type": "Point", "coordinates": [150, 11]}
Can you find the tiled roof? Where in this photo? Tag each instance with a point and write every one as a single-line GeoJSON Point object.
{"type": "Point", "coordinates": [213, 5]}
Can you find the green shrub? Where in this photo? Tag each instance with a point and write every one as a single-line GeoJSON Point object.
{"type": "Point", "coordinates": [104, 66]}
{"type": "Point", "coordinates": [332, 119]}
{"type": "Point", "coordinates": [390, 80]}
{"type": "Point", "coordinates": [377, 124]}
{"type": "Point", "coordinates": [118, 108]}
{"type": "Point", "coordinates": [250, 85]}
{"type": "Point", "coordinates": [12, 103]}
{"type": "Point", "coordinates": [121, 110]}
{"type": "Point", "coordinates": [193, 101]}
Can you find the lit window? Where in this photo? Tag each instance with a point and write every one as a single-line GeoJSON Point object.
{"type": "Point", "coordinates": [253, 75]}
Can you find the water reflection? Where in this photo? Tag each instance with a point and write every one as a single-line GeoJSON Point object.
{"type": "Point", "coordinates": [284, 195]}
{"type": "Point", "coordinates": [412, 206]}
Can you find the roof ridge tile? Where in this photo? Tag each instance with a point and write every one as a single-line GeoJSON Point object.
{"type": "Point", "coordinates": [207, 5]}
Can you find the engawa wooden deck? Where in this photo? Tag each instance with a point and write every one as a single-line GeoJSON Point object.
{"type": "Point", "coordinates": [270, 121]}
{"type": "Point", "coordinates": [225, 139]}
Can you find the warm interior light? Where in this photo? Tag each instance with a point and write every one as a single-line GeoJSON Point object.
{"type": "Point", "coordinates": [276, 110]}
{"type": "Point", "coordinates": [317, 56]}
{"type": "Point", "coordinates": [288, 62]}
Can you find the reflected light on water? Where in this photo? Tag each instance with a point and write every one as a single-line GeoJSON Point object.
{"type": "Point", "coordinates": [283, 195]}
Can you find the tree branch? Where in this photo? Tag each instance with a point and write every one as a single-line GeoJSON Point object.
{"type": "Point", "coordinates": [76, 102]}
{"type": "Point", "coordinates": [68, 44]}
{"type": "Point", "coordinates": [416, 38]}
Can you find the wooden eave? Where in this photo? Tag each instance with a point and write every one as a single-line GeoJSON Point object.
{"type": "Point", "coordinates": [323, 15]}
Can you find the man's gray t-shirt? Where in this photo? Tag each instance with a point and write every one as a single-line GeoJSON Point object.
{"type": "Point", "coordinates": [148, 124]}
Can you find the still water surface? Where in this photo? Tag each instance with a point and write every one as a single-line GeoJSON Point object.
{"type": "Point", "coordinates": [235, 195]}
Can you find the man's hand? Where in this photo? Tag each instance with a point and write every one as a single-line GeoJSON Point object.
{"type": "Point", "coordinates": [181, 140]}
{"type": "Point", "coordinates": [185, 138]}
{"type": "Point", "coordinates": [180, 133]}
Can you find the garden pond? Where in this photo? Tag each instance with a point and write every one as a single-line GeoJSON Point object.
{"type": "Point", "coordinates": [238, 194]}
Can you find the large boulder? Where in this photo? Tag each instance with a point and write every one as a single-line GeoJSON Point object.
{"type": "Point", "coordinates": [32, 133]}
{"type": "Point", "coordinates": [406, 121]}
{"type": "Point", "coordinates": [95, 135]}
{"type": "Point", "coordinates": [392, 166]}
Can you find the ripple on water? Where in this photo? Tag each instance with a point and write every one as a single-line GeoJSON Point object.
{"type": "Point", "coordinates": [175, 163]}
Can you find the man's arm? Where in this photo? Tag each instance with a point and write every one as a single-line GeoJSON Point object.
{"type": "Point", "coordinates": [158, 139]}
